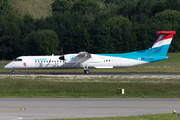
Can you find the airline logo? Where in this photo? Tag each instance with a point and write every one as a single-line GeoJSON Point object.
{"type": "Point", "coordinates": [24, 64]}
{"type": "Point", "coordinates": [56, 64]}
{"type": "Point", "coordinates": [72, 57]}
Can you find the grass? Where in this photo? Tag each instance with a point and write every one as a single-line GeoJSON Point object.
{"type": "Point", "coordinates": [87, 87]}
{"type": "Point", "coordinates": [172, 64]}
{"type": "Point", "coordinates": [141, 117]}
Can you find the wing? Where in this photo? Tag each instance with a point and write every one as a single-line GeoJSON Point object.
{"type": "Point", "coordinates": [81, 58]}
{"type": "Point", "coordinates": [84, 54]}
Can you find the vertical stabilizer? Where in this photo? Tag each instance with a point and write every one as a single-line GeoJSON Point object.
{"type": "Point", "coordinates": [162, 43]}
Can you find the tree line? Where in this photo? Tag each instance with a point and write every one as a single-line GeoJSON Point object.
{"type": "Point", "coordinates": [95, 26]}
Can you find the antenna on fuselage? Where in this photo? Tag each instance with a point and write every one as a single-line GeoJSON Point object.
{"type": "Point", "coordinates": [62, 57]}
{"type": "Point", "coordinates": [62, 50]}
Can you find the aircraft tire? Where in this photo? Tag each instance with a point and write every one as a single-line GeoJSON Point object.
{"type": "Point", "coordinates": [86, 71]}
{"type": "Point", "coordinates": [13, 71]}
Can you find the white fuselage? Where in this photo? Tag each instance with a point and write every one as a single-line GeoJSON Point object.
{"type": "Point", "coordinates": [71, 61]}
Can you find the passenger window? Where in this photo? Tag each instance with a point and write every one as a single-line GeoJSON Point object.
{"type": "Point", "coordinates": [54, 61]}
{"type": "Point", "coordinates": [57, 61]}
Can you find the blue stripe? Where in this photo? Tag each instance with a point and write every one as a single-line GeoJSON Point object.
{"type": "Point", "coordinates": [149, 55]}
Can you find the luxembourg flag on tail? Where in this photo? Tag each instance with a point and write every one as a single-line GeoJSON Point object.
{"type": "Point", "coordinates": [164, 38]}
{"type": "Point", "coordinates": [162, 43]}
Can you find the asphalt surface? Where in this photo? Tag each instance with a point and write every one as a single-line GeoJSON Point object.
{"type": "Point", "coordinates": [46, 108]}
{"type": "Point", "coordinates": [93, 73]}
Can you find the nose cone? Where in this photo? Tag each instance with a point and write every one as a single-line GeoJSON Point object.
{"type": "Point", "coordinates": [8, 66]}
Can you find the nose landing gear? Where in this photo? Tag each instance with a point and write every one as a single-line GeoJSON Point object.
{"type": "Point", "coordinates": [86, 71]}
{"type": "Point", "coordinates": [13, 71]}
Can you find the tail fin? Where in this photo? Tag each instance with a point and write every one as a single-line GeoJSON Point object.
{"type": "Point", "coordinates": [162, 43]}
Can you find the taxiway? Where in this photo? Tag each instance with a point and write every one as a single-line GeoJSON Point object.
{"type": "Point", "coordinates": [47, 108]}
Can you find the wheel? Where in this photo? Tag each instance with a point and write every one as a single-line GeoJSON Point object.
{"type": "Point", "coordinates": [87, 71]}
{"type": "Point", "coordinates": [13, 71]}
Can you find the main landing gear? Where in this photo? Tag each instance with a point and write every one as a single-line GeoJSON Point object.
{"type": "Point", "coordinates": [86, 71]}
{"type": "Point", "coordinates": [13, 71]}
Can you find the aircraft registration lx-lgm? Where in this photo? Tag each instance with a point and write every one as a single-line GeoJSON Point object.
{"type": "Point", "coordinates": [86, 60]}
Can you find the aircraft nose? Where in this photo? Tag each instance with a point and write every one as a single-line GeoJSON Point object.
{"type": "Point", "coordinates": [7, 66]}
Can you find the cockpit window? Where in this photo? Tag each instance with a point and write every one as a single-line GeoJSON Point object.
{"type": "Point", "coordinates": [18, 59]}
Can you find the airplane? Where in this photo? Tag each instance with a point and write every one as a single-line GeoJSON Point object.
{"type": "Point", "coordinates": [87, 60]}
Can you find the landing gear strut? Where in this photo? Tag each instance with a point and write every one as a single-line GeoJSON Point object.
{"type": "Point", "coordinates": [86, 71]}
{"type": "Point", "coordinates": [13, 71]}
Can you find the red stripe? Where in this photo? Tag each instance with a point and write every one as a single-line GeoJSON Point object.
{"type": "Point", "coordinates": [166, 32]}
{"type": "Point", "coordinates": [168, 36]}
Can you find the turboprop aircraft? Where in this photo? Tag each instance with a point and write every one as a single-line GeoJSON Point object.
{"type": "Point", "coordinates": [87, 60]}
